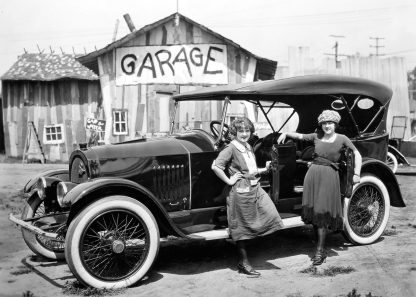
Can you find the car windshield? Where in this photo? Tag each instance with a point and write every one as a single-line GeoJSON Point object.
{"type": "Point", "coordinates": [363, 116]}
{"type": "Point", "coordinates": [200, 114]}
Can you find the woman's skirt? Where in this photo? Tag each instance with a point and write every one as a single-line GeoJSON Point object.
{"type": "Point", "coordinates": [321, 201]}
{"type": "Point", "coordinates": [251, 214]}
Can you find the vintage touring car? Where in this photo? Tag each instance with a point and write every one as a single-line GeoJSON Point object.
{"type": "Point", "coordinates": [108, 212]}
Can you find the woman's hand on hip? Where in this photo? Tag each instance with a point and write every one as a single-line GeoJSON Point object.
{"type": "Point", "coordinates": [234, 178]}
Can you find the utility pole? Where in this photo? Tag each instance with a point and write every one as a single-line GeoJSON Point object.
{"type": "Point", "coordinates": [336, 54]}
{"type": "Point", "coordinates": [377, 46]}
{"type": "Point", "coordinates": [115, 30]}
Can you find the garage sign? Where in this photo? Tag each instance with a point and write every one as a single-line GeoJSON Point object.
{"type": "Point", "coordinates": [95, 125]}
{"type": "Point", "coordinates": [175, 64]}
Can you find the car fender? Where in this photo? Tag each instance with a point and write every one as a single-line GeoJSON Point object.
{"type": "Point", "coordinates": [384, 173]}
{"type": "Point", "coordinates": [399, 156]}
{"type": "Point", "coordinates": [30, 187]}
{"type": "Point", "coordinates": [86, 193]}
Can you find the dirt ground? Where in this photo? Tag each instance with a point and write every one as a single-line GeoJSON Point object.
{"type": "Point", "coordinates": [386, 268]}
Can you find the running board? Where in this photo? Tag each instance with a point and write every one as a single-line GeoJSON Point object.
{"type": "Point", "coordinates": [224, 234]}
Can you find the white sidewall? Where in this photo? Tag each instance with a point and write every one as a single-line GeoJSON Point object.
{"type": "Point", "coordinates": [349, 232]}
{"type": "Point", "coordinates": [30, 237]}
{"type": "Point", "coordinates": [393, 160]}
{"type": "Point", "coordinates": [77, 227]}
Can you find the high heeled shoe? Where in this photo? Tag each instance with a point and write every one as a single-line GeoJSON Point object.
{"type": "Point", "coordinates": [247, 269]}
{"type": "Point", "coordinates": [319, 258]}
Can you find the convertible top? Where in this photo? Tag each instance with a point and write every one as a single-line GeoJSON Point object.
{"type": "Point", "coordinates": [301, 85]}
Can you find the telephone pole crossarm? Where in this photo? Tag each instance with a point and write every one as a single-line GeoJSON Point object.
{"type": "Point", "coordinates": [377, 46]}
{"type": "Point", "coordinates": [336, 45]}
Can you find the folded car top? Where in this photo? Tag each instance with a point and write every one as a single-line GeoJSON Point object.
{"type": "Point", "coordinates": [301, 85]}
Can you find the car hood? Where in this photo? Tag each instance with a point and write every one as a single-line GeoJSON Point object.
{"type": "Point", "coordinates": [128, 158]}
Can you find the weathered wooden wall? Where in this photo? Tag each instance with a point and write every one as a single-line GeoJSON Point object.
{"type": "Point", "coordinates": [67, 102]}
{"type": "Point", "coordinates": [2, 146]}
{"type": "Point", "coordinates": [147, 103]}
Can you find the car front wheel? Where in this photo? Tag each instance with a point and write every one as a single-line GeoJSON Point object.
{"type": "Point", "coordinates": [112, 243]}
{"type": "Point", "coordinates": [367, 211]}
{"type": "Point", "coordinates": [41, 245]}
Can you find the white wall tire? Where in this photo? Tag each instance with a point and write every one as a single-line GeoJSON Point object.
{"type": "Point", "coordinates": [122, 233]}
{"type": "Point", "coordinates": [367, 212]}
{"type": "Point", "coordinates": [34, 206]}
{"type": "Point", "coordinates": [392, 162]}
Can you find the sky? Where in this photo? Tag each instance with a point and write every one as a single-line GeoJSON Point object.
{"type": "Point", "coordinates": [264, 27]}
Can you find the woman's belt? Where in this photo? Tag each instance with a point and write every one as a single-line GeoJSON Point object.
{"type": "Point", "coordinates": [326, 162]}
{"type": "Point", "coordinates": [252, 178]}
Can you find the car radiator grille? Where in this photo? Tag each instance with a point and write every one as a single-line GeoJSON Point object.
{"type": "Point", "coordinates": [170, 182]}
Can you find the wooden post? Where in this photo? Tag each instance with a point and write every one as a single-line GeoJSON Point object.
{"type": "Point", "coordinates": [115, 30]}
{"type": "Point", "coordinates": [129, 22]}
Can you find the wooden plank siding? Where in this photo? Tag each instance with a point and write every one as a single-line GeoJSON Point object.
{"type": "Point", "coordinates": [45, 103]}
{"type": "Point", "coordinates": [143, 101]}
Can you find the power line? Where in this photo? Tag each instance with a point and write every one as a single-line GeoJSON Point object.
{"type": "Point", "coordinates": [334, 14]}
{"type": "Point", "coordinates": [403, 51]}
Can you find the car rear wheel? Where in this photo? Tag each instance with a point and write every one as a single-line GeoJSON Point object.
{"type": "Point", "coordinates": [367, 211]}
{"type": "Point", "coordinates": [40, 245]}
{"type": "Point", "coordinates": [392, 162]}
{"type": "Point", "coordinates": [112, 243]}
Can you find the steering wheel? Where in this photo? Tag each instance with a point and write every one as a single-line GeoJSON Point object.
{"type": "Point", "coordinates": [215, 126]}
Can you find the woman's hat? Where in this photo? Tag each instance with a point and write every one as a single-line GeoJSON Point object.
{"type": "Point", "coordinates": [329, 116]}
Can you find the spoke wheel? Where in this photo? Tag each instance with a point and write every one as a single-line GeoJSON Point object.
{"type": "Point", "coordinates": [40, 245]}
{"type": "Point", "coordinates": [366, 212]}
{"type": "Point", "coordinates": [112, 243]}
{"type": "Point", "coordinates": [392, 162]}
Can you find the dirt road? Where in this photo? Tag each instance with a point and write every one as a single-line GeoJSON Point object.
{"type": "Point", "coordinates": [386, 268]}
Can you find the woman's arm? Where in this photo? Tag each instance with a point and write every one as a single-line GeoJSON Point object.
{"type": "Point", "coordinates": [357, 166]}
{"type": "Point", "coordinates": [265, 169]}
{"type": "Point", "coordinates": [292, 135]}
{"type": "Point", "coordinates": [221, 174]}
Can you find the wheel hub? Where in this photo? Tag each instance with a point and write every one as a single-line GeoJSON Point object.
{"type": "Point", "coordinates": [118, 246]}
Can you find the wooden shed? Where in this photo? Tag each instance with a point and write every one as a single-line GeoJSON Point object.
{"type": "Point", "coordinates": [54, 94]}
{"type": "Point", "coordinates": [139, 73]}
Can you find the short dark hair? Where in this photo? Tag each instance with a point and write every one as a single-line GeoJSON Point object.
{"type": "Point", "coordinates": [240, 123]}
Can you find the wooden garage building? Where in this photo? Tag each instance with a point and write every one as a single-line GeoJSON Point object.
{"type": "Point", "coordinates": [139, 73]}
{"type": "Point", "coordinates": [54, 92]}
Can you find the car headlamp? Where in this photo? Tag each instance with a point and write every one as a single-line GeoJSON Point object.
{"type": "Point", "coordinates": [40, 187]}
{"type": "Point", "coordinates": [62, 189]}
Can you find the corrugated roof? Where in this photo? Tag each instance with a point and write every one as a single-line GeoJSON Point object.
{"type": "Point", "coordinates": [90, 60]}
{"type": "Point", "coordinates": [48, 67]}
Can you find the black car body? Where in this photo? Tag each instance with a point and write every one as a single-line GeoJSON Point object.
{"type": "Point", "coordinates": [115, 202]}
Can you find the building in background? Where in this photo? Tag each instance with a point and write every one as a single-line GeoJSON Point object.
{"type": "Point", "coordinates": [2, 148]}
{"type": "Point", "coordinates": [57, 94]}
{"type": "Point", "coordinates": [140, 72]}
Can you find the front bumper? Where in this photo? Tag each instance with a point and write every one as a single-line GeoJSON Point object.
{"type": "Point", "coordinates": [32, 228]}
